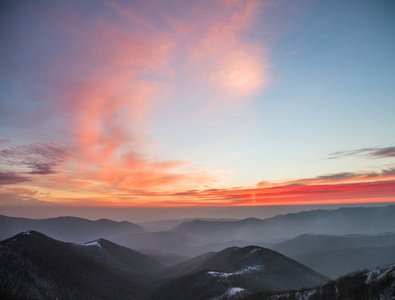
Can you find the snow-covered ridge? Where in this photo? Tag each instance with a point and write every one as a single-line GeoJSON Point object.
{"type": "Point", "coordinates": [306, 295]}
{"type": "Point", "coordinates": [253, 251]}
{"type": "Point", "coordinates": [248, 269]}
{"type": "Point", "coordinates": [234, 291]}
{"type": "Point", "coordinates": [380, 273]}
{"type": "Point", "coordinates": [377, 275]}
{"type": "Point", "coordinates": [91, 244]}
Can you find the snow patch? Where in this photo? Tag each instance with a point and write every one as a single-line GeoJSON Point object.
{"type": "Point", "coordinates": [220, 274]}
{"type": "Point", "coordinates": [305, 295]}
{"type": "Point", "coordinates": [235, 291]}
{"type": "Point", "coordinates": [27, 232]}
{"type": "Point", "coordinates": [275, 297]}
{"type": "Point", "coordinates": [379, 273]}
{"type": "Point", "coordinates": [253, 251]}
{"type": "Point", "coordinates": [91, 244]}
{"type": "Point", "coordinates": [248, 269]}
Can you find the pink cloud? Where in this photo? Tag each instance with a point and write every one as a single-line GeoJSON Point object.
{"type": "Point", "coordinates": [217, 53]}
{"type": "Point", "coordinates": [232, 66]}
{"type": "Point", "coordinates": [114, 69]}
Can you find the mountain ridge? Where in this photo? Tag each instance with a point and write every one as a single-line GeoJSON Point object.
{"type": "Point", "coordinates": [38, 267]}
{"type": "Point", "coordinates": [67, 228]}
{"type": "Point", "coordinates": [239, 270]}
{"type": "Point", "coordinates": [342, 221]}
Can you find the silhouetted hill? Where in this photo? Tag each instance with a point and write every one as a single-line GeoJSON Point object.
{"type": "Point", "coordinates": [363, 285]}
{"type": "Point", "coordinates": [68, 229]}
{"type": "Point", "coordinates": [34, 266]}
{"type": "Point", "coordinates": [353, 220]}
{"type": "Point", "coordinates": [121, 257]}
{"type": "Point", "coordinates": [235, 272]}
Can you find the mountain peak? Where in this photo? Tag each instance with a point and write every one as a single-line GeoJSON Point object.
{"type": "Point", "coordinates": [238, 271]}
{"type": "Point", "coordinates": [31, 234]}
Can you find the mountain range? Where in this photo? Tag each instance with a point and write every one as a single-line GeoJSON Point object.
{"type": "Point", "coordinates": [294, 255]}
{"type": "Point", "coordinates": [34, 266]}
{"type": "Point", "coordinates": [342, 221]}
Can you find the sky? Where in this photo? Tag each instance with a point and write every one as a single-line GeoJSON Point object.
{"type": "Point", "coordinates": [108, 105]}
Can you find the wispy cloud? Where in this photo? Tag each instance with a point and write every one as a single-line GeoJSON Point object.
{"type": "Point", "coordinates": [384, 174]}
{"type": "Point", "coordinates": [12, 178]}
{"type": "Point", "coordinates": [34, 159]}
{"type": "Point", "coordinates": [334, 188]}
{"type": "Point", "coordinates": [375, 152]}
{"type": "Point", "coordinates": [19, 196]}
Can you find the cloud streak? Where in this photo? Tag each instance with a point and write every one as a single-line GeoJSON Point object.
{"type": "Point", "coordinates": [377, 152]}
{"type": "Point", "coordinates": [34, 159]}
{"type": "Point", "coordinates": [12, 178]}
{"type": "Point", "coordinates": [325, 189]}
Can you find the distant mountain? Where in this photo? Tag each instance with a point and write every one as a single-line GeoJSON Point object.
{"type": "Point", "coordinates": [165, 241]}
{"type": "Point", "coordinates": [342, 221]}
{"type": "Point", "coordinates": [235, 272]}
{"type": "Point", "coordinates": [353, 220]}
{"type": "Point", "coordinates": [223, 231]}
{"type": "Point", "coordinates": [216, 247]}
{"type": "Point", "coordinates": [340, 262]}
{"type": "Point", "coordinates": [338, 255]}
{"type": "Point", "coordinates": [68, 229]}
{"type": "Point", "coordinates": [364, 285]}
{"type": "Point", "coordinates": [313, 243]}
{"type": "Point", "coordinates": [165, 258]}
{"type": "Point", "coordinates": [34, 266]}
{"type": "Point", "coordinates": [165, 225]}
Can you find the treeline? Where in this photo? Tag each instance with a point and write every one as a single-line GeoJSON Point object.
{"type": "Point", "coordinates": [350, 287]}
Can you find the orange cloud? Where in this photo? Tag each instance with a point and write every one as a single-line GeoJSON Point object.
{"type": "Point", "coordinates": [118, 69]}
{"type": "Point", "coordinates": [126, 71]}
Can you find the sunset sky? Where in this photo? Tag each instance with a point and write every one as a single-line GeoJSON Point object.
{"type": "Point", "coordinates": [196, 103]}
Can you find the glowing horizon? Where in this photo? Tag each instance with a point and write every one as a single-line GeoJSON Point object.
{"type": "Point", "coordinates": [224, 103]}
